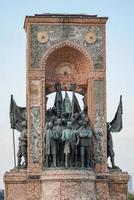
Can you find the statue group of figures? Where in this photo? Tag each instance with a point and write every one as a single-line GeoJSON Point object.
{"type": "Point", "coordinates": [69, 139]}
{"type": "Point", "coordinates": [68, 136]}
{"type": "Point", "coordinates": [69, 142]}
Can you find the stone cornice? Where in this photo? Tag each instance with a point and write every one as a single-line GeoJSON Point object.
{"type": "Point", "coordinates": [68, 19]}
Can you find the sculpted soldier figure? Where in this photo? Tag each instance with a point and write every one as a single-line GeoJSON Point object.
{"type": "Point", "coordinates": [86, 144]}
{"type": "Point", "coordinates": [58, 98]}
{"type": "Point", "coordinates": [58, 133]}
{"type": "Point", "coordinates": [53, 144]}
{"type": "Point", "coordinates": [66, 137]}
{"type": "Point", "coordinates": [110, 151]}
{"type": "Point", "coordinates": [75, 140]}
{"type": "Point", "coordinates": [48, 133]}
{"type": "Point", "coordinates": [50, 144]}
{"type": "Point", "coordinates": [22, 152]}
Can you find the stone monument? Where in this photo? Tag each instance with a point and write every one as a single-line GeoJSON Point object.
{"type": "Point", "coordinates": [64, 148]}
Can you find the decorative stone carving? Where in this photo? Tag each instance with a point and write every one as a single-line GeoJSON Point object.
{"type": "Point", "coordinates": [42, 37]}
{"type": "Point", "coordinates": [73, 33]}
{"type": "Point", "coordinates": [35, 129]}
{"type": "Point", "coordinates": [90, 37]}
{"type": "Point", "coordinates": [99, 129]}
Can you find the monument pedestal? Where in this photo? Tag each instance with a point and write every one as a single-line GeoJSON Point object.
{"type": "Point", "coordinates": [68, 184]}
{"type": "Point", "coordinates": [56, 184]}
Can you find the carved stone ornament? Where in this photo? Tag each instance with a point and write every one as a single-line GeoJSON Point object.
{"type": "Point", "coordinates": [42, 37]}
{"type": "Point", "coordinates": [90, 37]}
{"type": "Point", "coordinates": [99, 129]}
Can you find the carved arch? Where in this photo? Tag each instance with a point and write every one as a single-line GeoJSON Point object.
{"type": "Point", "coordinates": [70, 58]}
{"type": "Point", "coordinates": [67, 43]}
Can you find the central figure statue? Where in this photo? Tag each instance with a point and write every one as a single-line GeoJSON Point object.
{"type": "Point", "coordinates": [67, 137]}
{"type": "Point", "coordinates": [58, 103]}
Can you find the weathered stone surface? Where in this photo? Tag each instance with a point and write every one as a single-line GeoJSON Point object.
{"type": "Point", "coordinates": [118, 185]}
{"type": "Point", "coordinates": [35, 129]}
{"type": "Point", "coordinates": [68, 184]}
{"type": "Point", "coordinates": [35, 92]}
{"type": "Point", "coordinates": [99, 129]}
{"type": "Point", "coordinates": [60, 33]}
{"type": "Point", "coordinates": [15, 185]}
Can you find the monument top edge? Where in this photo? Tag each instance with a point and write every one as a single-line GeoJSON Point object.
{"type": "Point", "coordinates": [64, 18]}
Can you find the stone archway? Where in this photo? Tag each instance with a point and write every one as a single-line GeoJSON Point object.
{"type": "Point", "coordinates": [69, 63]}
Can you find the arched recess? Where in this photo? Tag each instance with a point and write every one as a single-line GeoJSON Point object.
{"type": "Point", "coordinates": [69, 63]}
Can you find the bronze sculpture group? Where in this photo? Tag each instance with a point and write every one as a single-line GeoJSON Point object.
{"type": "Point", "coordinates": [69, 140]}
{"type": "Point", "coordinates": [68, 136]}
{"type": "Point", "coordinates": [67, 145]}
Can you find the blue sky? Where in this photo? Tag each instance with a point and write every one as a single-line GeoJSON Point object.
{"type": "Point", "coordinates": [120, 65]}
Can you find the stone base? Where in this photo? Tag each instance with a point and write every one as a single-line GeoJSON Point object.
{"type": "Point", "coordinates": [65, 184]}
{"type": "Point", "coordinates": [118, 187]}
{"type": "Point", "coordinates": [15, 185]}
{"type": "Point", "coordinates": [68, 184]}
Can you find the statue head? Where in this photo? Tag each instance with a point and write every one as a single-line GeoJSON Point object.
{"type": "Point", "coordinates": [76, 115]}
{"type": "Point", "coordinates": [58, 114]}
{"type": "Point", "coordinates": [85, 123]}
{"type": "Point", "coordinates": [69, 124]}
{"type": "Point", "coordinates": [50, 125]}
{"type": "Point", "coordinates": [53, 118]}
{"type": "Point", "coordinates": [73, 119]}
{"type": "Point", "coordinates": [59, 121]}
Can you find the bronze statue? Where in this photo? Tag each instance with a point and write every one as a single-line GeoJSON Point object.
{"type": "Point", "coordinates": [86, 144]}
{"type": "Point", "coordinates": [58, 98]}
{"type": "Point", "coordinates": [66, 137]}
{"type": "Point", "coordinates": [48, 133]}
{"type": "Point", "coordinates": [58, 133]}
{"type": "Point", "coordinates": [115, 125]}
{"type": "Point", "coordinates": [53, 144]}
{"type": "Point", "coordinates": [22, 152]}
{"type": "Point", "coordinates": [110, 151]}
{"type": "Point", "coordinates": [75, 139]}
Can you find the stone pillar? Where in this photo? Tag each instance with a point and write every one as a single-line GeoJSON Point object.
{"type": "Point", "coordinates": [15, 185]}
{"type": "Point", "coordinates": [100, 125]}
{"type": "Point", "coordinates": [35, 117]}
{"type": "Point", "coordinates": [90, 102]}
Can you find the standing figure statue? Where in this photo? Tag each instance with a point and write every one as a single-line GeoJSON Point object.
{"type": "Point", "coordinates": [110, 151]}
{"type": "Point", "coordinates": [74, 140]}
{"type": "Point", "coordinates": [58, 98]}
{"type": "Point", "coordinates": [50, 145]}
{"type": "Point", "coordinates": [114, 126]}
{"type": "Point", "coordinates": [22, 152]}
{"type": "Point", "coordinates": [86, 144]}
{"type": "Point", "coordinates": [58, 134]}
{"type": "Point", "coordinates": [48, 133]}
{"type": "Point", "coordinates": [53, 144]}
{"type": "Point", "coordinates": [66, 137]}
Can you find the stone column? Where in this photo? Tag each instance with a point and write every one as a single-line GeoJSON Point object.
{"type": "Point", "coordinates": [90, 100]}
{"type": "Point", "coordinates": [100, 125]}
{"type": "Point", "coordinates": [34, 127]}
